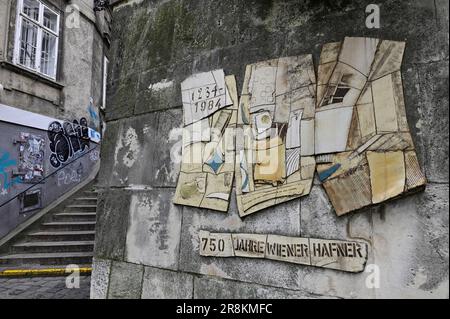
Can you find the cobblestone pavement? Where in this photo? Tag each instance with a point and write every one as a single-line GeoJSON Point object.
{"type": "Point", "coordinates": [43, 288]}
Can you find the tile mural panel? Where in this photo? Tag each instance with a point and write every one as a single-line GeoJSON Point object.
{"type": "Point", "coordinates": [349, 125]}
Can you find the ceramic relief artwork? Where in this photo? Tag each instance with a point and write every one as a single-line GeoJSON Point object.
{"type": "Point", "coordinates": [350, 256]}
{"type": "Point", "coordinates": [364, 150]}
{"type": "Point", "coordinates": [209, 113]}
{"type": "Point", "coordinates": [275, 133]}
{"type": "Point", "coordinates": [350, 126]}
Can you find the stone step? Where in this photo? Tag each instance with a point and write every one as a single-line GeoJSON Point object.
{"type": "Point", "coordinates": [53, 246]}
{"type": "Point", "coordinates": [73, 225]}
{"type": "Point", "coordinates": [85, 201]}
{"type": "Point", "coordinates": [60, 258]}
{"type": "Point", "coordinates": [62, 235]}
{"type": "Point", "coordinates": [74, 216]}
{"type": "Point", "coordinates": [80, 208]}
{"type": "Point", "coordinates": [65, 236]}
{"type": "Point", "coordinates": [90, 193]}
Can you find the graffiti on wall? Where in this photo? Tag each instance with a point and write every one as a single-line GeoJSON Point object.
{"type": "Point", "coordinates": [94, 155]}
{"type": "Point", "coordinates": [31, 157]}
{"type": "Point", "coordinates": [6, 165]}
{"type": "Point", "coordinates": [37, 121]}
{"type": "Point", "coordinates": [67, 140]}
{"type": "Point", "coordinates": [69, 175]}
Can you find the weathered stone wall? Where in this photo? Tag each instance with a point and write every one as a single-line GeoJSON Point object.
{"type": "Point", "coordinates": [147, 247]}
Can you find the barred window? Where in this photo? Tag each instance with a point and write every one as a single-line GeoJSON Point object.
{"type": "Point", "coordinates": [36, 42]}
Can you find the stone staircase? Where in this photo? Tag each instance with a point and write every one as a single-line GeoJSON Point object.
{"type": "Point", "coordinates": [64, 236]}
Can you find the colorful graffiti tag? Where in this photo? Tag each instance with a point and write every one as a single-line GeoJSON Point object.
{"type": "Point", "coordinates": [6, 165]}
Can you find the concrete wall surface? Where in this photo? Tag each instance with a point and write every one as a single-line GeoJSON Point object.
{"type": "Point", "coordinates": [146, 247]}
{"type": "Point", "coordinates": [79, 155]}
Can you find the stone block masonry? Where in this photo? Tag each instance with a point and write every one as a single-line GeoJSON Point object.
{"type": "Point", "coordinates": [147, 247]}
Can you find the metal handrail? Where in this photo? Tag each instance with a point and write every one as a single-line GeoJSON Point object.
{"type": "Point", "coordinates": [51, 174]}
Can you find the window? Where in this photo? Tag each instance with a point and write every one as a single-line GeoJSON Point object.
{"type": "Point", "coordinates": [30, 200]}
{"type": "Point", "coordinates": [105, 79]}
{"type": "Point", "coordinates": [36, 42]}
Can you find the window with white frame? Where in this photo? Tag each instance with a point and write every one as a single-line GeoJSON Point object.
{"type": "Point", "coordinates": [105, 79]}
{"type": "Point", "coordinates": [36, 40]}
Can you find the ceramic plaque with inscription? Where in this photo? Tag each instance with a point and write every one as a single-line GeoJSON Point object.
{"type": "Point", "coordinates": [350, 256]}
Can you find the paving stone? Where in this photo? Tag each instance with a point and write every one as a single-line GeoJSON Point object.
{"type": "Point", "coordinates": [44, 288]}
{"type": "Point", "coordinates": [16, 291]}
{"type": "Point", "coordinates": [50, 283]}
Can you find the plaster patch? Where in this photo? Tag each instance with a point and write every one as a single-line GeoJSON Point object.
{"type": "Point", "coordinates": [420, 278]}
{"type": "Point", "coordinates": [213, 270]}
{"type": "Point", "coordinates": [164, 84]}
{"type": "Point", "coordinates": [138, 187]}
{"type": "Point", "coordinates": [147, 129]}
{"type": "Point", "coordinates": [419, 124]}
